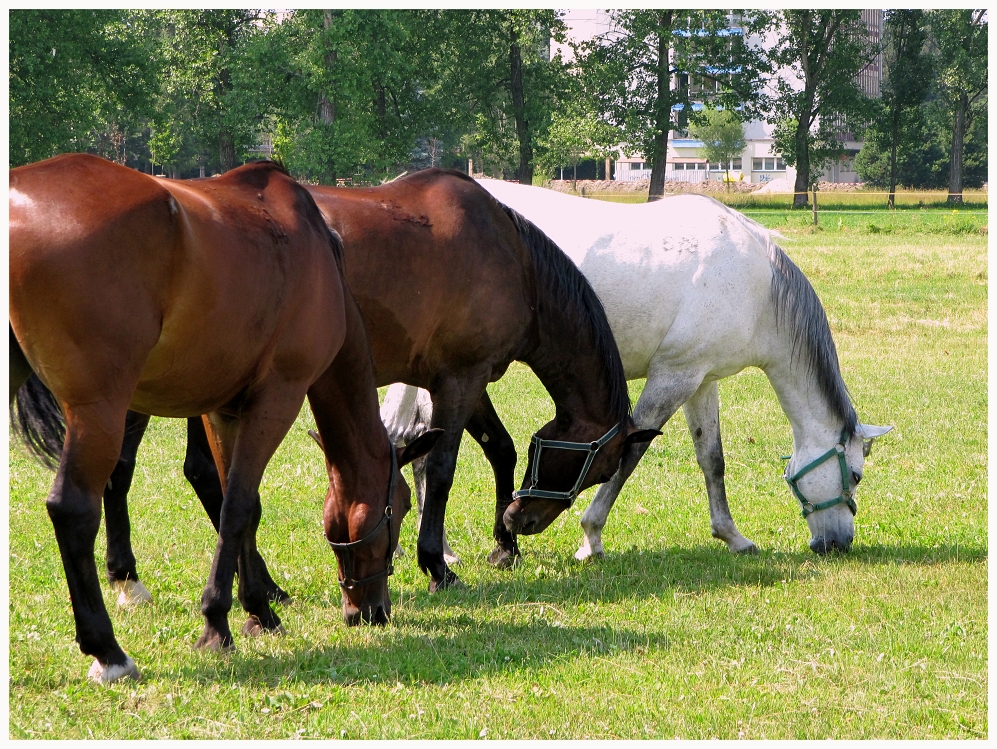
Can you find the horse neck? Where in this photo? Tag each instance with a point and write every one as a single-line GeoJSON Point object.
{"type": "Point", "coordinates": [568, 364]}
{"type": "Point", "coordinates": [815, 426]}
{"type": "Point", "coordinates": [344, 402]}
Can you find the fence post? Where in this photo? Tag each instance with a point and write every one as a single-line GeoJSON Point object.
{"type": "Point", "coordinates": [815, 204]}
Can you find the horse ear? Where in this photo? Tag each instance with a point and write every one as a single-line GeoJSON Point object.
{"type": "Point", "coordinates": [870, 432]}
{"type": "Point", "coordinates": [419, 446]}
{"type": "Point", "coordinates": [641, 435]}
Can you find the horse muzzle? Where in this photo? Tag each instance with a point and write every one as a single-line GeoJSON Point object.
{"type": "Point", "coordinates": [825, 545]}
{"type": "Point", "coordinates": [377, 615]}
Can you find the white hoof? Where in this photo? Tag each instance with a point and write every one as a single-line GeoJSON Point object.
{"type": "Point", "coordinates": [106, 674]}
{"type": "Point", "coordinates": [399, 552]}
{"type": "Point", "coordinates": [742, 545]}
{"type": "Point", "coordinates": [451, 558]}
{"type": "Point", "coordinates": [132, 593]}
{"type": "Point", "coordinates": [585, 551]}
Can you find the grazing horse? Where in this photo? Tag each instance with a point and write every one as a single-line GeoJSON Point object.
{"type": "Point", "coordinates": [453, 286]}
{"type": "Point", "coordinates": [221, 297]}
{"type": "Point", "coordinates": [695, 292]}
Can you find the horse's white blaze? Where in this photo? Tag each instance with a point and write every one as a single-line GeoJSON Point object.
{"type": "Point", "coordinates": [105, 675]}
{"type": "Point", "coordinates": [132, 593]}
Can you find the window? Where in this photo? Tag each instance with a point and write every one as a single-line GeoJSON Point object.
{"type": "Point", "coordinates": [736, 164]}
{"type": "Point", "coordinates": [679, 167]}
{"type": "Point", "coordinates": [636, 165]}
{"type": "Point", "coordinates": [767, 165]}
{"type": "Point", "coordinates": [757, 165]}
{"type": "Point", "coordinates": [780, 165]}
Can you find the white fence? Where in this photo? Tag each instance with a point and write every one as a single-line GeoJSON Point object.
{"type": "Point", "coordinates": [695, 176]}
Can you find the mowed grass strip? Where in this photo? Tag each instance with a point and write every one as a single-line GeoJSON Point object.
{"type": "Point", "coordinates": [670, 635]}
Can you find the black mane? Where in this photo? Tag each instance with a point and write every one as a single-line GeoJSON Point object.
{"type": "Point", "coordinates": [569, 292]}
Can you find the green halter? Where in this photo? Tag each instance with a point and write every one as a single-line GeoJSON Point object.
{"type": "Point", "coordinates": [844, 498]}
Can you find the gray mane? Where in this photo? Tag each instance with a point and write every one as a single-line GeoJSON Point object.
{"type": "Point", "coordinates": [797, 306]}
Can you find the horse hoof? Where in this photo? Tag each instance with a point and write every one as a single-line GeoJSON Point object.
{"type": "Point", "coordinates": [99, 674]}
{"type": "Point", "coordinates": [746, 548]}
{"type": "Point", "coordinates": [504, 559]}
{"type": "Point", "coordinates": [399, 551]}
{"type": "Point", "coordinates": [452, 559]}
{"type": "Point", "coordinates": [449, 581]}
{"type": "Point", "coordinates": [131, 593]}
{"type": "Point", "coordinates": [215, 641]}
{"type": "Point", "coordinates": [586, 552]}
{"type": "Point", "coordinates": [254, 628]}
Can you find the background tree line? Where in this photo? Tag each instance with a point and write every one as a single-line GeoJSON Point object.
{"type": "Point", "coordinates": [366, 94]}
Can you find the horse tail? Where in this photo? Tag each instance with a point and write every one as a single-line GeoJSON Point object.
{"type": "Point", "coordinates": [39, 422]}
{"type": "Point", "coordinates": [407, 412]}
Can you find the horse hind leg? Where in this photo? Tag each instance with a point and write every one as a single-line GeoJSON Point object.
{"type": "Point", "coordinates": [663, 393]}
{"type": "Point", "coordinates": [202, 474]}
{"type": "Point", "coordinates": [702, 412]}
{"type": "Point", "coordinates": [121, 568]}
{"type": "Point", "coordinates": [93, 441]}
{"type": "Point", "coordinates": [260, 428]}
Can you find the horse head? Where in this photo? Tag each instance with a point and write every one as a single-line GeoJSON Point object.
{"type": "Point", "coordinates": [364, 534]}
{"type": "Point", "coordinates": [564, 462]}
{"type": "Point", "coordinates": [825, 484]}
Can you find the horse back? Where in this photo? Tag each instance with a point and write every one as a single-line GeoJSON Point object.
{"type": "Point", "coordinates": [439, 271]}
{"type": "Point", "coordinates": [197, 288]}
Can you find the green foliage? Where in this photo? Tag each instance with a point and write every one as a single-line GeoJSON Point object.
{"type": "Point", "coordinates": [576, 133]}
{"type": "Point", "coordinates": [817, 55]}
{"type": "Point", "coordinates": [628, 71]}
{"type": "Point", "coordinates": [72, 72]}
{"type": "Point", "coordinates": [722, 135]}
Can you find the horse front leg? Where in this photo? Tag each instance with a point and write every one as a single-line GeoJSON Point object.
{"type": "Point", "coordinates": [663, 393]}
{"type": "Point", "coordinates": [201, 473]}
{"type": "Point", "coordinates": [454, 400]}
{"type": "Point", "coordinates": [702, 412]}
{"type": "Point", "coordinates": [500, 451]}
{"type": "Point", "coordinates": [93, 443]}
{"type": "Point", "coordinates": [121, 569]}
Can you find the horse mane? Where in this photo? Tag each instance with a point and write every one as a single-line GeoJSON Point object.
{"type": "Point", "coordinates": [796, 303]}
{"type": "Point", "coordinates": [569, 292]}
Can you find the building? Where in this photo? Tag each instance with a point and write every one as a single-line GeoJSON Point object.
{"type": "Point", "coordinates": [759, 163]}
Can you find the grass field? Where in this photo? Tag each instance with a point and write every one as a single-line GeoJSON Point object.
{"type": "Point", "coordinates": [669, 636]}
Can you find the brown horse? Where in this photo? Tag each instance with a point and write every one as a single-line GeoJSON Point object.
{"type": "Point", "coordinates": [454, 286]}
{"type": "Point", "coordinates": [221, 297]}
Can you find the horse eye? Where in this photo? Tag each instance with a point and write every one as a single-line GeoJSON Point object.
{"type": "Point", "coordinates": [856, 478]}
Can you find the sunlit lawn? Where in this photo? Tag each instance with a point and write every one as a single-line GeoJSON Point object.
{"type": "Point", "coordinates": [669, 636]}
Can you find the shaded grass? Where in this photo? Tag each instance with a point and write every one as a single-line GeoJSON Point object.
{"type": "Point", "coordinates": [669, 635]}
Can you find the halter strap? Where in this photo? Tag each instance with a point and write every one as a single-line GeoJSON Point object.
{"type": "Point", "coordinates": [348, 582]}
{"type": "Point", "coordinates": [845, 497]}
{"type": "Point", "coordinates": [569, 496]}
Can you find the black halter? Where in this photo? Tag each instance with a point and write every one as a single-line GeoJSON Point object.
{"type": "Point", "coordinates": [348, 582]}
{"type": "Point", "coordinates": [569, 496]}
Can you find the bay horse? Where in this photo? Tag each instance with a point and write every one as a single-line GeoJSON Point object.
{"type": "Point", "coordinates": [221, 297]}
{"type": "Point", "coordinates": [453, 286]}
{"type": "Point", "coordinates": [696, 292]}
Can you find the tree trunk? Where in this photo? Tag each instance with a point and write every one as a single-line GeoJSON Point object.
{"type": "Point", "coordinates": [894, 137]}
{"type": "Point", "coordinates": [958, 136]}
{"type": "Point", "coordinates": [802, 186]}
{"type": "Point", "coordinates": [327, 100]}
{"type": "Point", "coordinates": [226, 151]}
{"type": "Point", "coordinates": [662, 109]}
{"type": "Point", "coordinates": [519, 111]}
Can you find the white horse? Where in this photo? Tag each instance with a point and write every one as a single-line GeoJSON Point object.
{"type": "Point", "coordinates": [695, 292]}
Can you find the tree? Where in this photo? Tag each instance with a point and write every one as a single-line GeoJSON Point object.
{"type": "Point", "coordinates": [72, 72]}
{"type": "Point", "coordinates": [960, 37]}
{"type": "Point", "coordinates": [575, 132]}
{"type": "Point", "coordinates": [907, 81]}
{"type": "Point", "coordinates": [495, 77]}
{"type": "Point", "coordinates": [722, 135]}
{"type": "Point", "coordinates": [817, 56]}
{"type": "Point", "coordinates": [630, 70]}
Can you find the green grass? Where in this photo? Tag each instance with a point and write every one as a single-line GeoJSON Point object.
{"type": "Point", "coordinates": [871, 199]}
{"type": "Point", "coordinates": [670, 635]}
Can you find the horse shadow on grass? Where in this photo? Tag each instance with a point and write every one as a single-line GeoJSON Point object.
{"type": "Point", "coordinates": [526, 616]}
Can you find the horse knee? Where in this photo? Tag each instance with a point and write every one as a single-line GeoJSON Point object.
{"type": "Point", "coordinates": [71, 508]}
